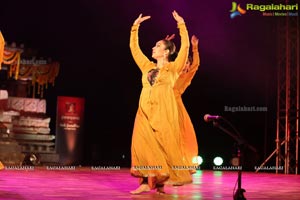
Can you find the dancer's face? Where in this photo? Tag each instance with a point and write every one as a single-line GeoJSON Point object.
{"type": "Point", "coordinates": [159, 50]}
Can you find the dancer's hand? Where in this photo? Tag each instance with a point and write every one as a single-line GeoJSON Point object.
{"type": "Point", "coordinates": [170, 37]}
{"type": "Point", "coordinates": [177, 17]}
{"type": "Point", "coordinates": [140, 19]}
{"type": "Point", "coordinates": [194, 40]}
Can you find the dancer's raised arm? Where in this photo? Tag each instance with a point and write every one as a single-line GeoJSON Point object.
{"type": "Point", "coordinates": [138, 56]}
{"type": "Point", "coordinates": [184, 45]}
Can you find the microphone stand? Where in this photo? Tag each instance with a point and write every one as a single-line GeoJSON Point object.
{"type": "Point", "coordinates": [239, 194]}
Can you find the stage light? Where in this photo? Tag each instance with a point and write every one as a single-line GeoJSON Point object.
{"type": "Point", "coordinates": [218, 161]}
{"type": "Point", "coordinates": [197, 160]}
{"type": "Point", "coordinates": [235, 161]}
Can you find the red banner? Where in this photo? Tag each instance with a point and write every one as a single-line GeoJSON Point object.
{"type": "Point", "coordinates": [69, 127]}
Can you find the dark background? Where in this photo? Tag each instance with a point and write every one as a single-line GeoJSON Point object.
{"type": "Point", "coordinates": [90, 40]}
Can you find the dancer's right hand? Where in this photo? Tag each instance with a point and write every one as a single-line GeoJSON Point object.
{"type": "Point", "coordinates": [194, 40]}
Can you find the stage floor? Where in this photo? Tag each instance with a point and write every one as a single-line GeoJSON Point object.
{"type": "Point", "coordinates": [93, 183]}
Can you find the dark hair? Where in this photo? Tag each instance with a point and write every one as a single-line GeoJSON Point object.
{"type": "Point", "coordinates": [172, 49]}
{"type": "Point", "coordinates": [173, 56]}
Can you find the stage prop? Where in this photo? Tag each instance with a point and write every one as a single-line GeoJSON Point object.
{"type": "Point", "coordinates": [69, 129]}
{"type": "Point", "coordinates": [26, 75]}
{"type": "Point", "coordinates": [24, 78]}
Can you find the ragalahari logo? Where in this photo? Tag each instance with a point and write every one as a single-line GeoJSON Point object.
{"type": "Point", "coordinates": [236, 10]}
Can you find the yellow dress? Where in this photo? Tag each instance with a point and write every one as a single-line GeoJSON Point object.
{"type": "Point", "coordinates": [2, 43]}
{"type": "Point", "coordinates": [1, 165]}
{"type": "Point", "coordinates": [188, 137]}
{"type": "Point", "coordinates": [155, 147]}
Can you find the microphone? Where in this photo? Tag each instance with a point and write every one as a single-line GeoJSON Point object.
{"type": "Point", "coordinates": [209, 118]}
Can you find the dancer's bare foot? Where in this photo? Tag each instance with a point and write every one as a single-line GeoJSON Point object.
{"type": "Point", "coordinates": [140, 189]}
{"type": "Point", "coordinates": [160, 189]}
{"type": "Point", "coordinates": [178, 184]}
